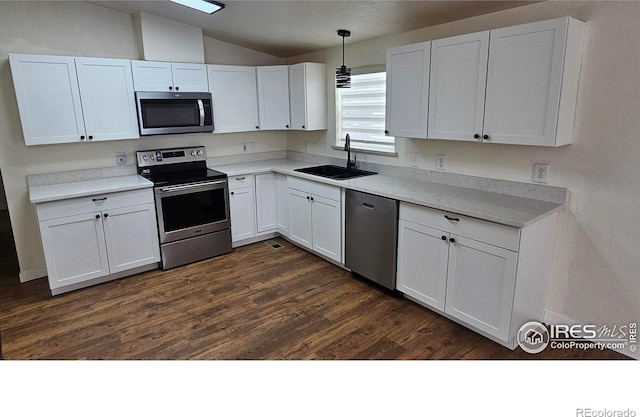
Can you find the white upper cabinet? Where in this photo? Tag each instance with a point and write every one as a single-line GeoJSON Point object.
{"type": "Point", "coordinates": [532, 82]}
{"type": "Point", "coordinates": [234, 93]}
{"type": "Point", "coordinates": [65, 99]}
{"type": "Point", "coordinates": [457, 86]}
{"type": "Point", "coordinates": [167, 76]}
{"type": "Point", "coordinates": [408, 90]}
{"type": "Point", "coordinates": [48, 98]}
{"type": "Point", "coordinates": [108, 104]}
{"type": "Point", "coordinates": [273, 97]}
{"type": "Point", "coordinates": [308, 96]}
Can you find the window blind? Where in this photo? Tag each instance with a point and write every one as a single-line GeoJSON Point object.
{"type": "Point", "coordinates": [361, 113]}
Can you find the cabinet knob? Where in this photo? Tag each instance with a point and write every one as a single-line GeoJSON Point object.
{"type": "Point", "coordinates": [308, 198]}
{"type": "Point", "coordinates": [287, 126]}
{"type": "Point", "coordinates": [232, 193]}
{"type": "Point", "coordinates": [82, 137]}
{"type": "Point", "coordinates": [303, 126]}
{"type": "Point", "coordinates": [386, 132]}
{"type": "Point", "coordinates": [177, 88]}
{"type": "Point", "coordinates": [452, 240]}
{"type": "Point", "coordinates": [90, 137]}
{"type": "Point", "coordinates": [97, 216]}
{"type": "Point", "coordinates": [444, 238]}
{"type": "Point", "coordinates": [311, 198]}
{"type": "Point", "coordinates": [170, 87]}
{"type": "Point", "coordinates": [476, 136]}
{"type": "Point", "coordinates": [106, 215]}
{"type": "Point", "coordinates": [486, 137]}
{"type": "Point", "coordinates": [257, 127]}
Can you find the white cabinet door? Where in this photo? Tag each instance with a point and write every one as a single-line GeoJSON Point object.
{"type": "Point", "coordinates": [480, 285]}
{"type": "Point", "coordinates": [408, 90]}
{"type": "Point", "coordinates": [74, 249]}
{"type": "Point", "coordinates": [423, 253]}
{"type": "Point", "coordinates": [235, 99]}
{"type": "Point", "coordinates": [300, 223]}
{"type": "Point", "coordinates": [132, 237]}
{"type": "Point", "coordinates": [308, 96]}
{"type": "Point", "coordinates": [282, 205]}
{"type": "Point", "coordinates": [273, 97]}
{"type": "Point", "coordinates": [48, 98]}
{"type": "Point", "coordinates": [457, 87]}
{"type": "Point", "coordinates": [326, 220]}
{"type": "Point", "coordinates": [152, 76]}
{"type": "Point", "coordinates": [243, 213]}
{"type": "Point", "coordinates": [108, 102]}
{"type": "Point", "coordinates": [266, 209]}
{"type": "Point", "coordinates": [524, 82]}
{"type": "Point", "coordinates": [189, 78]}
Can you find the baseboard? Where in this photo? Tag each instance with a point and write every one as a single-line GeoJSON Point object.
{"type": "Point", "coordinates": [32, 274]}
{"type": "Point", "coordinates": [554, 318]}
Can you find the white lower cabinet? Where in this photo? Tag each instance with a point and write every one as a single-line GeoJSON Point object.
{"type": "Point", "coordinates": [242, 206]}
{"type": "Point", "coordinates": [282, 205]}
{"type": "Point", "coordinates": [487, 276]}
{"type": "Point", "coordinates": [315, 217]}
{"type": "Point", "coordinates": [266, 208]}
{"type": "Point", "coordinates": [92, 237]}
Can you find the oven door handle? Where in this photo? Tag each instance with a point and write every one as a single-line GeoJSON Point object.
{"type": "Point", "coordinates": [190, 186]}
{"type": "Point", "coordinates": [201, 107]}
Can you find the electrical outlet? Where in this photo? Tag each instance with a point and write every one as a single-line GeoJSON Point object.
{"type": "Point", "coordinates": [121, 158]}
{"type": "Point", "coordinates": [415, 159]}
{"type": "Point", "coordinates": [441, 162]}
{"type": "Point", "coordinates": [541, 173]}
{"type": "Point", "coordinates": [252, 147]}
{"type": "Point", "coordinates": [306, 146]}
{"type": "Point", "coordinates": [245, 147]}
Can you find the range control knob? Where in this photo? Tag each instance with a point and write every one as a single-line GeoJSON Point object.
{"type": "Point", "coordinates": [193, 152]}
{"type": "Point", "coordinates": [199, 151]}
{"type": "Point", "coordinates": [144, 157]}
{"type": "Point", "coordinates": [152, 157]}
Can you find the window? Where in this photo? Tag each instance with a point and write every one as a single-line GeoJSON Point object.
{"type": "Point", "coordinates": [361, 113]}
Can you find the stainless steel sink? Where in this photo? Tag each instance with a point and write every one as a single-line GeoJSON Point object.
{"type": "Point", "coordinates": [335, 172]}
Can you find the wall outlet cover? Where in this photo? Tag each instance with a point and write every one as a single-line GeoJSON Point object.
{"type": "Point", "coordinates": [415, 159]}
{"type": "Point", "coordinates": [252, 147]}
{"type": "Point", "coordinates": [541, 173]}
{"type": "Point", "coordinates": [441, 162]}
{"type": "Point", "coordinates": [121, 158]}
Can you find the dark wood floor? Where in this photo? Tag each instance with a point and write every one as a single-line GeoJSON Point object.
{"type": "Point", "coordinates": [256, 303]}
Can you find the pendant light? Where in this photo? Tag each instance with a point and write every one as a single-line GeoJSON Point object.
{"type": "Point", "coordinates": [343, 74]}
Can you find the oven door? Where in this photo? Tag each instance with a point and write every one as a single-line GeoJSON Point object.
{"type": "Point", "coordinates": [189, 210]}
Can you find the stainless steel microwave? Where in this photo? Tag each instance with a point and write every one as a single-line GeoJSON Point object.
{"type": "Point", "coordinates": [165, 113]}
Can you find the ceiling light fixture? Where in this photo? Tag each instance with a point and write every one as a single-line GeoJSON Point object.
{"type": "Point", "coordinates": [207, 6]}
{"type": "Point", "coordinates": [343, 74]}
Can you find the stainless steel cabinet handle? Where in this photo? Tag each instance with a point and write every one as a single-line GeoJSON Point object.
{"type": "Point", "coordinates": [189, 186]}
{"type": "Point", "coordinates": [453, 219]}
{"type": "Point", "coordinates": [98, 199]}
{"type": "Point", "coordinates": [240, 178]}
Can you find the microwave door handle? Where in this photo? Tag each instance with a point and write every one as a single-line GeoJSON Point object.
{"type": "Point", "coordinates": [201, 107]}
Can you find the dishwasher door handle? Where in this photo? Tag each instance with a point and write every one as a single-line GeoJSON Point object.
{"type": "Point", "coordinates": [368, 206]}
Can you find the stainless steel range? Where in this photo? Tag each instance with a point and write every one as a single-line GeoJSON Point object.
{"type": "Point", "coordinates": [192, 204]}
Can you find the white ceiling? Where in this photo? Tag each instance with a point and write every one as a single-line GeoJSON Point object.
{"type": "Point", "coordinates": [295, 27]}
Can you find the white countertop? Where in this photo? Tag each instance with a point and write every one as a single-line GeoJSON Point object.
{"type": "Point", "coordinates": [499, 208]}
{"type": "Point", "coordinates": [53, 192]}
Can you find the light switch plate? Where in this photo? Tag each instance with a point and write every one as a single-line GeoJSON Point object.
{"type": "Point", "coordinates": [441, 162]}
{"type": "Point", "coordinates": [415, 159]}
{"type": "Point", "coordinates": [541, 173]}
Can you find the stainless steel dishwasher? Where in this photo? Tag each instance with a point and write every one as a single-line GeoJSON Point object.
{"type": "Point", "coordinates": [371, 237]}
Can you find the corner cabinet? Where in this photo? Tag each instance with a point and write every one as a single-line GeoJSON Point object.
{"type": "Point", "coordinates": [104, 236]}
{"type": "Point", "coordinates": [235, 98]}
{"type": "Point", "coordinates": [273, 97]}
{"type": "Point", "coordinates": [486, 276]}
{"type": "Point", "coordinates": [408, 90]}
{"type": "Point", "coordinates": [66, 100]}
{"type": "Point", "coordinates": [308, 96]}
{"type": "Point", "coordinates": [169, 76]}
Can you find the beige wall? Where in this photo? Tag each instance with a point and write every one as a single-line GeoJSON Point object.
{"type": "Point", "coordinates": [596, 270]}
{"type": "Point", "coordinates": [83, 29]}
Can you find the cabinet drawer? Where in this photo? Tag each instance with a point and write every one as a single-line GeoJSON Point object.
{"type": "Point", "coordinates": [99, 202]}
{"type": "Point", "coordinates": [481, 230]}
{"type": "Point", "coordinates": [240, 181]}
{"type": "Point", "coordinates": [315, 188]}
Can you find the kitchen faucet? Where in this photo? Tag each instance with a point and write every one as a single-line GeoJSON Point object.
{"type": "Point", "coordinates": [347, 147]}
